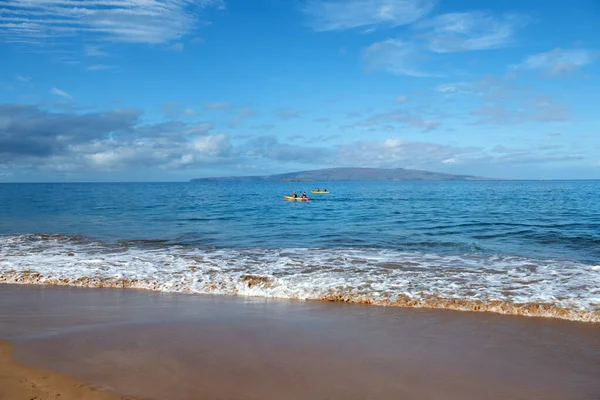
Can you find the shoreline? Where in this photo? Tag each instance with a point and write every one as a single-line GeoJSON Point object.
{"type": "Point", "coordinates": [430, 302]}
{"type": "Point", "coordinates": [22, 382]}
{"type": "Point", "coordinates": [179, 347]}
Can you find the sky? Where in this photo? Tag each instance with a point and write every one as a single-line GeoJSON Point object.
{"type": "Point", "coordinates": [149, 90]}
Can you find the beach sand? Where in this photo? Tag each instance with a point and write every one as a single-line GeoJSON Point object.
{"type": "Point", "coordinates": [180, 347]}
{"type": "Point", "coordinates": [20, 382]}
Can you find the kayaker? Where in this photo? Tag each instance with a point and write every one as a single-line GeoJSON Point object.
{"type": "Point", "coordinates": [324, 190]}
{"type": "Point", "coordinates": [304, 195]}
{"type": "Point", "coordinates": [295, 195]}
{"type": "Point", "coordinates": [318, 190]}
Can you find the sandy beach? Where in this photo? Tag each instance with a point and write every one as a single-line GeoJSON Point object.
{"type": "Point", "coordinates": [20, 382]}
{"type": "Point", "coordinates": [172, 346]}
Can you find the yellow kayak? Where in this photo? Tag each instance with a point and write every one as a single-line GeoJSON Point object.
{"type": "Point", "coordinates": [318, 192]}
{"type": "Point", "coordinates": [292, 198]}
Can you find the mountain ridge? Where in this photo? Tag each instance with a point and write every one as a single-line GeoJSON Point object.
{"type": "Point", "coordinates": [348, 174]}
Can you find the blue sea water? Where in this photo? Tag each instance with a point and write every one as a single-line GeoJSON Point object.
{"type": "Point", "coordinates": [515, 241]}
{"type": "Point", "coordinates": [548, 219]}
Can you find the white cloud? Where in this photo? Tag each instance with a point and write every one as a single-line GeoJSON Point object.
{"type": "Point", "coordinates": [152, 152]}
{"type": "Point", "coordinates": [60, 93]}
{"type": "Point", "coordinates": [396, 57]}
{"type": "Point", "coordinates": [447, 33]}
{"type": "Point", "coordinates": [130, 21]}
{"type": "Point", "coordinates": [34, 139]}
{"type": "Point", "coordinates": [330, 15]}
{"type": "Point", "coordinates": [456, 87]}
{"type": "Point", "coordinates": [216, 145]}
{"type": "Point", "coordinates": [470, 31]}
{"type": "Point", "coordinates": [558, 61]}
{"type": "Point", "coordinates": [401, 99]}
{"type": "Point", "coordinates": [450, 161]}
{"type": "Point", "coordinates": [491, 87]}
{"type": "Point", "coordinates": [396, 152]}
{"type": "Point", "coordinates": [38, 139]}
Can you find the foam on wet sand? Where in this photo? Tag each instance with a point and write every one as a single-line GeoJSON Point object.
{"type": "Point", "coordinates": [502, 284]}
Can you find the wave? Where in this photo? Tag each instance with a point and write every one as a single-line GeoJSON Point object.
{"type": "Point", "coordinates": [498, 283]}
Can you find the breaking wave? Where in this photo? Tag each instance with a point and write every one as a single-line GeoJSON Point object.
{"type": "Point", "coordinates": [495, 283]}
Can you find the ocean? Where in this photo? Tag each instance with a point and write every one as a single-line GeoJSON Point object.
{"type": "Point", "coordinates": [514, 247]}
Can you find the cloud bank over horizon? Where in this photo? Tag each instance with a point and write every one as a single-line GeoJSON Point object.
{"type": "Point", "coordinates": [176, 89]}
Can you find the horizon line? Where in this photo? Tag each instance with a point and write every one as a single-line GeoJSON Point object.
{"type": "Point", "coordinates": [345, 180]}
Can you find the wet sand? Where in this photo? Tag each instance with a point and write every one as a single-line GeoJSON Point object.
{"type": "Point", "coordinates": [172, 346]}
{"type": "Point", "coordinates": [19, 382]}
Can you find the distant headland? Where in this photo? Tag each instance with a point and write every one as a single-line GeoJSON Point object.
{"type": "Point", "coordinates": [349, 174]}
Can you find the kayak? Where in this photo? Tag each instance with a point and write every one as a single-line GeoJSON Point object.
{"type": "Point", "coordinates": [318, 192]}
{"type": "Point", "coordinates": [291, 198]}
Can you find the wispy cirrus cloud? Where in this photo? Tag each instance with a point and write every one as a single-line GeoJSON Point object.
{"type": "Point", "coordinates": [542, 109]}
{"type": "Point", "coordinates": [469, 31]}
{"type": "Point", "coordinates": [383, 120]}
{"type": "Point", "coordinates": [455, 87]}
{"type": "Point", "coordinates": [24, 79]}
{"type": "Point", "coordinates": [332, 15]}
{"type": "Point", "coordinates": [129, 21]}
{"type": "Point", "coordinates": [396, 152]}
{"type": "Point", "coordinates": [558, 61]}
{"type": "Point", "coordinates": [437, 36]}
{"type": "Point", "coordinates": [397, 57]}
{"type": "Point", "coordinates": [490, 87]}
{"type": "Point", "coordinates": [60, 93]}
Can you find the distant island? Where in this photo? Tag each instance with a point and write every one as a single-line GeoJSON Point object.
{"type": "Point", "coordinates": [348, 174]}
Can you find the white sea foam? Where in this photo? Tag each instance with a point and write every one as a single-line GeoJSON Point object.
{"type": "Point", "coordinates": [562, 288]}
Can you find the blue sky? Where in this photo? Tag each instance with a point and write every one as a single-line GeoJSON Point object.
{"type": "Point", "coordinates": [143, 90]}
